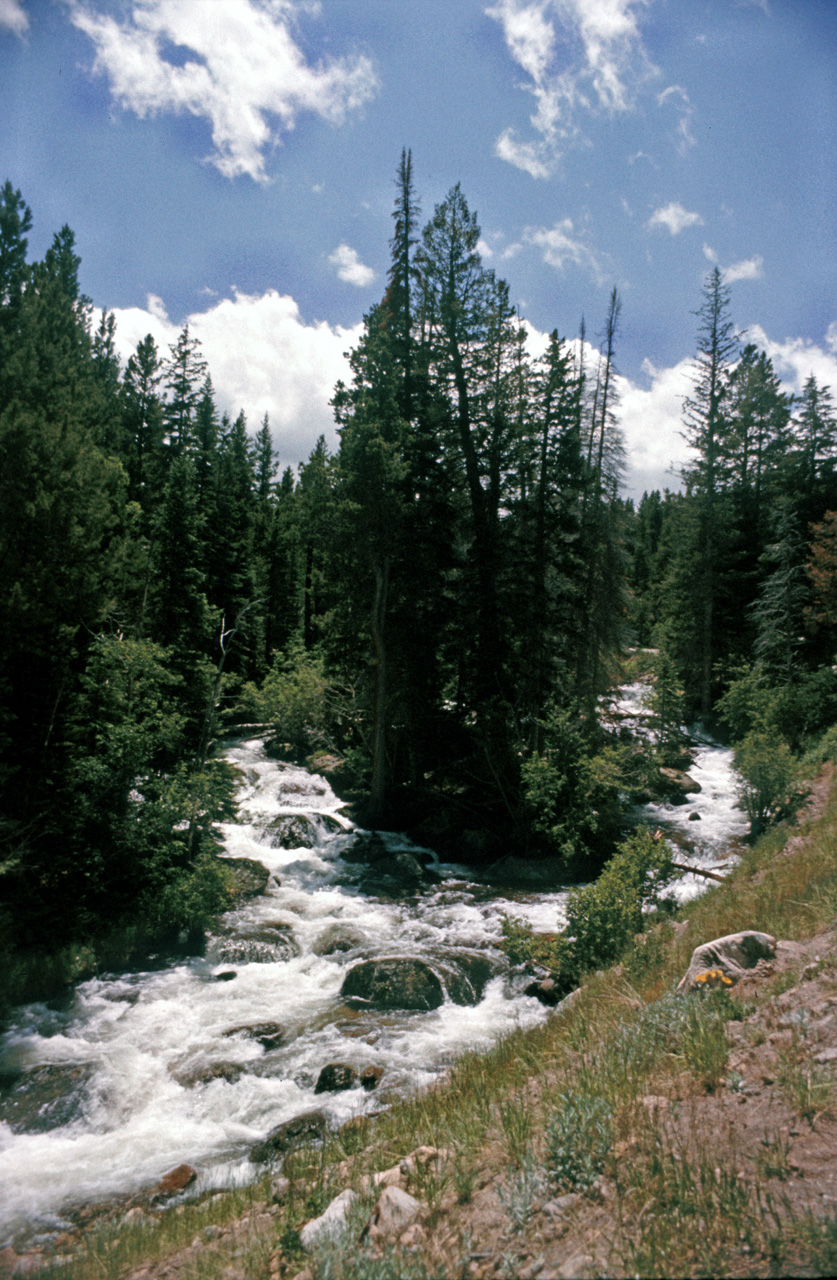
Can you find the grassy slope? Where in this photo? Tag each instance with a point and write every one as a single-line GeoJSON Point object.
{"type": "Point", "coordinates": [689, 1126]}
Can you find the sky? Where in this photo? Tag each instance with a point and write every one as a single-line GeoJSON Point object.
{"type": "Point", "coordinates": [231, 164]}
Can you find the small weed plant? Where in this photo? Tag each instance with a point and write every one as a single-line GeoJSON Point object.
{"type": "Point", "coordinates": [524, 1187]}
{"type": "Point", "coordinates": [578, 1141]}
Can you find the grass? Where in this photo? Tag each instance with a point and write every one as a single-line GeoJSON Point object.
{"type": "Point", "coordinates": [610, 1087]}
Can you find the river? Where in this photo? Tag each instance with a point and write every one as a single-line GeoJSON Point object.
{"type": "Point", "coordinates": [135, 1073]}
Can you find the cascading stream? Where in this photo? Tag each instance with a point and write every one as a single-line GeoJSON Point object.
{"type": "Point", "coordinates": [136, 1073]}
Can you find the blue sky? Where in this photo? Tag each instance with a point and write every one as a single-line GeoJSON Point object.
{"type": "Point", "coordinates": [231, 163]}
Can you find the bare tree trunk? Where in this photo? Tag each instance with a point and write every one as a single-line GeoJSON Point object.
{"type": "Point", "coordinates": [379, 746]}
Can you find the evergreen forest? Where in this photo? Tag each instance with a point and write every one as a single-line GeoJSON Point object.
{"type": "Point", "coordinates": [433, 612]}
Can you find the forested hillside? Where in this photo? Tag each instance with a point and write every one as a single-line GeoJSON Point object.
{"type": "Point", "coordinates": [440, 603]}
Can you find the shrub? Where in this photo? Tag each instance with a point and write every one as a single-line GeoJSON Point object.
{"type": "Point", "coordinates": [603, 917]}
{"type": "Point", "coordinates": [295, 700]}
{"type": "Point", "coordinates": [769, 774]}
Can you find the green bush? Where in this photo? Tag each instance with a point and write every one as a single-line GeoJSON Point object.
{"type": "Point", "coordinates": [795, 712]}
{"type": "Point", "coordinates": [603, 917]}
{"type": "Point", "coordinates": [295, 699]}
{"type": "Point", "coordinates": [769, 775]}
{"type": "Point", "coordinates": [533, 950]}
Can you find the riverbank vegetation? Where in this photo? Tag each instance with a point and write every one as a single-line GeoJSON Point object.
{"type": "Point", "coordinates": [438, 606]}
{"type": "Point", "coordinates": [638, 1131]}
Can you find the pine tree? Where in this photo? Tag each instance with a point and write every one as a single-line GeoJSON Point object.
{"type": "Point", "coordinates": [705, 425]}
{"type": "Point", "coordinates": [143, 422]}
{"type": "Point", "coordinates": [816, 432]}
{"type": "Point", "coordinates": [185, 374]}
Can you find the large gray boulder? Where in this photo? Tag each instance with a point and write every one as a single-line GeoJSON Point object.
{"type": "Point", "coordinates": [733, 956]}
{"type": "Point", "coordinates": [395, 983]}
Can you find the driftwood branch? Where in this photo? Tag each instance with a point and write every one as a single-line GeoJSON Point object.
{"type": "Point", "coordinates": [699, 871]}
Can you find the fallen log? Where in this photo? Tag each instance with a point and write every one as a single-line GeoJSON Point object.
{"type": "Point", "coordinates": [699, 871]}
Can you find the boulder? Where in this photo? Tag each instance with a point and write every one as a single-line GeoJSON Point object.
{"type": "Point", "coordinates": [546, 990]}
{"type": "Point", "coordinates": [676, 786]}
{"type": "Point", "coordinates": [539, 872]}
{"type": "Point", "coordinates": [228, 1071]}
{"type": "Point", "coordinates": [45, 1098]}
{"type": "Point", "coordinates": [279, 1189]}
{"type": "Point", "coordinates": [176, 1180]}
{"type": "Point", "coordinates": [309, 1127]}
{"type": "Point", "coordinates": [291, 831]}
{"type": "Point", "coordinates": [396, 983]}
{"type": "Point", "coordinates": [370, 1078]}
{"type": "Point", "coordinates": [269, 1034]}
{"type": "Point", "coordinates": [336, 938]}
{"type": "Point", "coordinates": [465, 975]}
{"type": "Point", "coordinates": [249, 877]}
{"type": "Point", "coordinates": [330, 1222]}
{"type": "Point", "coordinates": [336, 1077]}
{"type": "Point", "coordinates": [394, 1212]}
{"type": "Point", "coordinates": [367, 847]}
{"type": "Point", "coordinates": [732, 956]}
{"type": "Point", "coordinates": [226, 975]}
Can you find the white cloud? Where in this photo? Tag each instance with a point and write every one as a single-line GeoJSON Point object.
{"type": "Point", "coordinates": [676, 94]}
{"type": "Point", "coordinates": [709, 253]}
{"type": "Point", "coordinates": [749, 269]}
{"type": "Point", "coordinates": [674, 218]}
{"type": "Point", "coordinates": [523, 155]}
{"type": "Point", "coordinates": [13, 17]}
{"type": "Point", "coordinates": [350, 268]}
{"type": "Point", "coordinates": [243, 70]}
{"type": "Point", "coordinates": [651, 417]}
{"type": "Point", "coordinates": [606, 64]}
{"type": "Point", "coordinates": [652, 420]}
{"type": "Point", "coordinates": [263, 358]}
{"type": "Point", "coordinates": [796, 359]}
{"type": "Point", "coordinates": [562, 247]}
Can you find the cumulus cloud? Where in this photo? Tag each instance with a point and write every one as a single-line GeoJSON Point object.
{"type": "Point", "coordinates": [263, 358]}
{"type": "Point", "coordinates": [674, 218]}
{"type": "Point", "coordinates": [235, 63]}
{"type": "Point", "coordinates": [749, 269]}
{"type": "Point", "coordinates": [607, 62]}
{"type": "Point", "coordinates": [563, 247]}
{"type": "Point", "coordinates": [13, 17]}
{"type": "Point", "coordinates": [652, 419]}
{"type": "Point", "coordinates": [350, 268]}
{"type": "Point", "coordinates": [795, 359]}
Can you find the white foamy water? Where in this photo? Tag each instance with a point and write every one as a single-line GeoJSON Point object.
{"type": "Point", "coordinates": [141, 1040]}
{"type": "Point", "coordinates": [709, 838]}
{"type": "Point", "coordinates": [144, 1037]}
